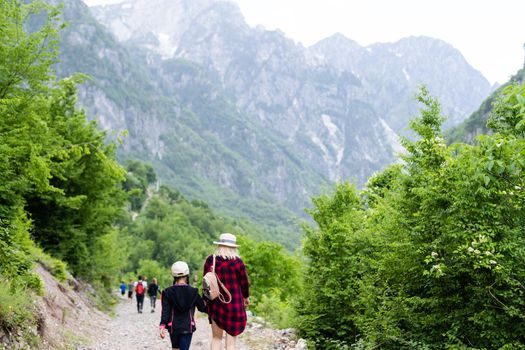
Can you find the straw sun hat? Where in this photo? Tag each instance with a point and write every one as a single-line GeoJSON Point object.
{"type": "Point", "coordinates": [227, 240]}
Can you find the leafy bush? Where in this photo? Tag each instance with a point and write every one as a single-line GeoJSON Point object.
{"type": "Point", "coordinates": [275, 283]}
{"type": "Point", "coordinates": [16, 261]}
{"type": "Point", "coordinates": [340, 253]}
{"type": "Point", "coordinates": [56, 267]}
{"type": "Point", "coordinates": [278, 312]}
{"type": "Point", "coordinates": [431, 255]}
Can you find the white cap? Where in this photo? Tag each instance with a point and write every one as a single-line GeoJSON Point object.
{"type": "Point", "coordinates": [179, 269]}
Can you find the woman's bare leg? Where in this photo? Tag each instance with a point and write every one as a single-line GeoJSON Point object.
{"type": "Point", "coordinates": [216, 339]}
{"type": "Point", "coordinates": [230, 342]}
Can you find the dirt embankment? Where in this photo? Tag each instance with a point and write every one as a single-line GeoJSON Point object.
{"type": "Point", "coordinates": [69, 317]}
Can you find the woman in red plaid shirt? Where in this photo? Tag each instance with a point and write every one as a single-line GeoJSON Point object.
{"type": "Point", "coordinates": [229, 317]}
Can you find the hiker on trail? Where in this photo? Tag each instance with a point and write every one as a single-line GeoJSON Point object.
{"type": "Point", "coordinates": [153, 289]}
{"type": "Point", "coordinates": [130, 290]}
{"type": "Point", "coordinates": [231, 272]}
{"type": "Point", "coordinates": [140, 291]}
{"type": "Point", "coordinates": [122, 289]}
{"type": "Point", "coordinates": [178, 307]}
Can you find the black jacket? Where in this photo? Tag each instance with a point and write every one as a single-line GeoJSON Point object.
{"type": "Point", "coordinates": [178, 308]}
{"type": "Point", "coordinates": [153, 289]}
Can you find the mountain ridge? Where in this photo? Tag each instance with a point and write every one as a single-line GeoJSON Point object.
{"type": "Point", "coordinates": [241, 117]}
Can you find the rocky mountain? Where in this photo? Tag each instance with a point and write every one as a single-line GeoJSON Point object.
{"type": "Point", "coordinates": [297, 91]}
{"type": "Point", "coordinates": [245, 118]}
{"type": "Point", "coordinates": [185, 126]}
{"type": "Point", "coordinates": [391, 72]}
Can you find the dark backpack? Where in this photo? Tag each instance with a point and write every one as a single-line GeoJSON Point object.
{"type": "Point", "coordinates": [139, 289]}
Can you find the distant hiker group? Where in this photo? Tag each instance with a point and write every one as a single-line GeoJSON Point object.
{"type": "Point", "coordinates": [140, 288]}
{"type": "Point", "coordinates": [226, 296]}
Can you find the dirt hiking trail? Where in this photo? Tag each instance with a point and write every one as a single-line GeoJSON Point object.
{"type": "Point", "coordinates": [131, 330]}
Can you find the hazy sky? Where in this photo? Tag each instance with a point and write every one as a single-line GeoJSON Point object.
{"type": "Point", "coordinates": [489, 33]}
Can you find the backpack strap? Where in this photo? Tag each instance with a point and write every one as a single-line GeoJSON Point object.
{"type": "Point", "coordinates": [221, 296]}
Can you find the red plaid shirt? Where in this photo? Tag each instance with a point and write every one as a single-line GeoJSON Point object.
{"type": "Point", "coordinates": [232, 273]}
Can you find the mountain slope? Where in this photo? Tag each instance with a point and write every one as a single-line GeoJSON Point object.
{"type": "Point", "coordinates": [476, 124]}
{"type": "Point", "coordinates": [392, 72]}
{"type": "Point", "coordinates": [332, 102]}
{"type": "Point", "coordinates": [243, 117]}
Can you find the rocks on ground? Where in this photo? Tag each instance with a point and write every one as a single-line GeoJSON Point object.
{"type": "Point", "coordinates": [260, 337]}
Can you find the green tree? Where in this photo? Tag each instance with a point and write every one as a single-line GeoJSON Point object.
{"type": "Point", "coordinates": [433, 248]}
{"type": "Point", "coordinates": [338, 252]}
{"type": "Point", "coordinates": [60, 180]}
{"type": "Point", "coordinates": [25, 61]}
{"type": "Point", "coordinates": [81, 198]}
{"type": "Point", "coordinates": [274, 276]}
{"type": "Point", "coordinates": [26, 58]}
{"type": "Point", "coordinates": [139, 176]}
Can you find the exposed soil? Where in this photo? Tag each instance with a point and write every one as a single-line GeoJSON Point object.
{"type": "Point", "coordinates": [67, 317]}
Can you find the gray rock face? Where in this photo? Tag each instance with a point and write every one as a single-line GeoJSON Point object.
{"type": "Point", "coordinates": [244, 117]}
{"type": "Point", "coordinates": [332, 101]}
{"type": "Point", "coordinates": [392, 72]}
{"type": "Point", "coordinates": [322, 112]}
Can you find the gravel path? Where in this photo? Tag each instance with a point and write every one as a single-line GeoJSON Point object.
{"type": "Point", "coordinates": [131, 330]}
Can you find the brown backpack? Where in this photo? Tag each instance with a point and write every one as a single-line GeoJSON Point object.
{"type": "Point", "coordinates": [211, 286]}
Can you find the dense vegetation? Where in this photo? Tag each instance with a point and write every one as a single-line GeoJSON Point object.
{"type": "Point", "coordinates": [58, 178]}
{"type": "Point", "coordinates": [431, 254]}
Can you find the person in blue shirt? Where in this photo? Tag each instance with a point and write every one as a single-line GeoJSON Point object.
{"type": "Point", "coordinates": [122, 288]}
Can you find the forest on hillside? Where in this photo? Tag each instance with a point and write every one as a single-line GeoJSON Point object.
{"type": "Point", "coordinates": [430, 254]}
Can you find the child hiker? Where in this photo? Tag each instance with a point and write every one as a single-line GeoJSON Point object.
{"type": "Point", "coordinates": [178, 307]}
